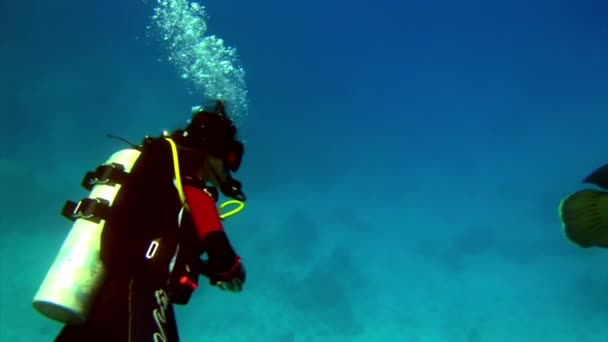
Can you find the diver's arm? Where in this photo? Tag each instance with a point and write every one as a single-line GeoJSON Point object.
{"type": "Point", "coordinates": [224, 266]}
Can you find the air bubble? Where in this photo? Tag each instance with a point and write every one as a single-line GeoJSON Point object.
{"type": "Point", "coordinates": [203, 60]}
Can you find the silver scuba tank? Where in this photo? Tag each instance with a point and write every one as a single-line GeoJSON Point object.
{"type": "Point", "coordinates": [77, 273]}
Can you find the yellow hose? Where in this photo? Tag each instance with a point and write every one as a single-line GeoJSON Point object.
{"type": "Point", "coordinates": [178, 178]}
{"type": "Point", "coordinates": [240, 206]}
{"type": "Point", "coordinates": [180, 189]}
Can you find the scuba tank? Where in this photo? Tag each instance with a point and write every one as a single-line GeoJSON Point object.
{"type": "Point", "coordinates": [77, 273]}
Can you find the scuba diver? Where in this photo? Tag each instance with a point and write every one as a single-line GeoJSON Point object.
{"type": "Point", "coordinates": [584, 214]}
{"type": "Point", "coordinates": [162, 221]}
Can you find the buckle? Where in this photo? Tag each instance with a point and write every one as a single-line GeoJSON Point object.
{"type": "Point", "coordinates": [90, 209]}
{"type": "Point", "coordinates": [107, 174]}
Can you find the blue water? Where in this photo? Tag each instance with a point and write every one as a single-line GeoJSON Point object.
{"type": "Point", "coordinates": [404, 162]}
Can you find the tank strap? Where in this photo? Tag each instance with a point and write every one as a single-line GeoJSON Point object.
{"type": "Point", "coordinates": [107, 174]}
{"type": "Point", "coordinates": [90, 209]}
{"type": "Point", "coordinates": [95, 209]}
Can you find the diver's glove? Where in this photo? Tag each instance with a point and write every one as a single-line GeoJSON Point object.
{"type": "Point", "coordinates": [231, 280]}
{"type": "Point", "coordinates": [223, 266]}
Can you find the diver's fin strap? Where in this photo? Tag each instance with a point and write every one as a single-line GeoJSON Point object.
{"type": "Point", "coordinates": [91, 209]}
{"type": "Point", "coordinates": [107, 174]}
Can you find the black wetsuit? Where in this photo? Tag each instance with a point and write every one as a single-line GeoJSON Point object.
{"type": "Point", "coordinates": [133, 304]}
{"type": "Point", "coordinates": [129, 310]}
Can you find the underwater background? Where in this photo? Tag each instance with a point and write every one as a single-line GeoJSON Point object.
{"type": "Point", "coordinates": [404, 159]}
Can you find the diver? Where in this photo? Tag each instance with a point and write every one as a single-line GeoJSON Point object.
{"type": "Point", "coordinates": [584, 214]}
{"type": "Point", "coordinates": [159, 227]}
